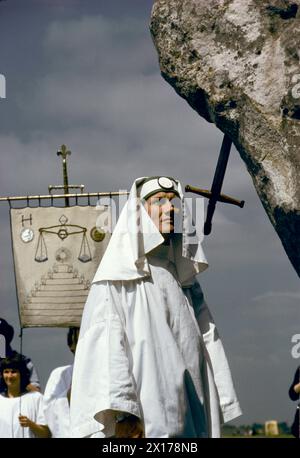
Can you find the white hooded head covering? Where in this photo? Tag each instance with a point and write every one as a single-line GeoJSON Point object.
{"type": "Point", "coordinates": [136, 235]}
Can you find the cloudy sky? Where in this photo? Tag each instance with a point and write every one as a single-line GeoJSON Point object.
{"type": "Point", "coordinates": [85, 73]}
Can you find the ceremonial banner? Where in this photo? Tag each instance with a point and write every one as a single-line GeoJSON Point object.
{"type": "Point", "coordinates": [56, 254]}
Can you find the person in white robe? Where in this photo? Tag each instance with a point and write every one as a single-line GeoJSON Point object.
{"type": "Point", "coordinates": [149, 361]}
{"type": "Point", "coordinates": [56, 400]}
{"type": "Point", "coordinates": [21, 412]}
{"type": "Point", "coordinates": [7, 331]}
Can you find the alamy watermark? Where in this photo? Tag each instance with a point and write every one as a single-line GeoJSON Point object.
{"type": "Point", "coordinates": [296, 86]}
{"type": "Point", "coordinates": [2, 87]}
{"type": "Point", "coordinates": [188, 216]}
{"type": "Point", "coordinates": [295, 352]}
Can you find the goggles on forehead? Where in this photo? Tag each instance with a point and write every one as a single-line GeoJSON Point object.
{"type": "Point", "coordinates": [158, 184]}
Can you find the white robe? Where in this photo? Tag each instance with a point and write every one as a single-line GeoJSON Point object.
{"type": "Point", "coordinates": [31, 407]}
{"type": "Point", "coordinates": [56, 405]}
{"type": "Point", "coordinates": [150, 347]}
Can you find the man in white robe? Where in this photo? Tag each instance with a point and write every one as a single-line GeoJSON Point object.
{"type": "Point", "coordinates": [57, 394]}
{"type": "Point", "coordinates": [149, 360]}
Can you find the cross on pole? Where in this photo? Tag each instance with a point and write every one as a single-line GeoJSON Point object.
{"type": "Point", "coordinates": [217, 182]}
{"type": "Point", "coordinates": [64, 153]}
{"type": "Point", "coordinates": [214, 195]}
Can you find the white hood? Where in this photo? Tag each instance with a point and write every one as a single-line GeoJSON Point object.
{"type": "Point", "coordinates": [135, 235]}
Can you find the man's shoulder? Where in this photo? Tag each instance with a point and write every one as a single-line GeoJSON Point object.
{"type": "Point", "coordinates": [32, 396]}
{"type": "Point", "coordinates": [61, 371]}
{"type": "Point", "coordinates": [58, 383]}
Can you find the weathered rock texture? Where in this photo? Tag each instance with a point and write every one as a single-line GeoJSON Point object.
{"type": "Point", "coordinates": [236, 62]}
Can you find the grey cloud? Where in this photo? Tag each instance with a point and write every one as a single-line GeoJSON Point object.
{"type": "Point", "coordinates": [107, 41]}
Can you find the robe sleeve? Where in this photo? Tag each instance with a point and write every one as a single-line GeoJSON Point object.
{"type": "Point", "coordinates": [56, 407]}
{"type": "Point", "coordinates": [48, 400]}
{"type": "Point", "coordinates": [217, 359]}
{"type": "Point", "coordinates": [40, 417]}
{"type": "Point", "coordinates": [103, 383]}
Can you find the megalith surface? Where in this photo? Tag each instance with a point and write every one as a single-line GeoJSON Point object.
{"type": "Point", "coordinates": [236, 62]}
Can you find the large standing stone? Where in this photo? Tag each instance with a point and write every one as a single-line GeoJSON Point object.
{"type": "Point", "coordinates": [236, 62]}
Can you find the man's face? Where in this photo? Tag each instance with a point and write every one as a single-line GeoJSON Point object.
{"type": "Point", "coordinates": [161, 209]}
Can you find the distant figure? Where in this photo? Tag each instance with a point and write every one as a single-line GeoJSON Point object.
{"type": "Point", "coordinates": [294, 393]}
{"type": "Point", "coordinates": [271, 428]}
{"type": "Point", "coordinates": [7, 331]}
{"type": "Point", "coordinates": [21, 412]}
{"type": "Point", "coordinates": [57, 394]}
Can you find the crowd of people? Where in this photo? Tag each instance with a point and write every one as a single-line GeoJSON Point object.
{"type": "Point", "coordinates": [26, 413]}
{"type": "Point", "coordinates": [149, 360]}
